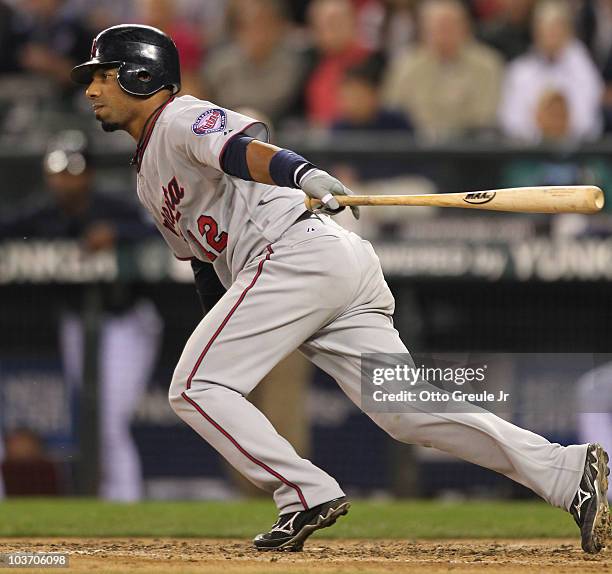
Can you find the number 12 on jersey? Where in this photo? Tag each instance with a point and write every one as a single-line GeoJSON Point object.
{"type": "Point", "coordinates": [209, 230]}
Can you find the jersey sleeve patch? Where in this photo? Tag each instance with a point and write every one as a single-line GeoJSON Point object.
{"type": "Point", "coordinates": [209, 122]}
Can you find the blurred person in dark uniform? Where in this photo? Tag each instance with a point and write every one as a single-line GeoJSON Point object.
{"type": "Point", "coordinates": [130, 330]}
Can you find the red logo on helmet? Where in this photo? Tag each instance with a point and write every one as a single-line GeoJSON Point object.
{"type": "Point", "coordinates": [94, 47]}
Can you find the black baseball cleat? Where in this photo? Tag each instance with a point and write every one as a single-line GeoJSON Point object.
{"type": "Point", "coordinates": [590, 505]}
{"type": "Point", "coordinates": [291, 530]}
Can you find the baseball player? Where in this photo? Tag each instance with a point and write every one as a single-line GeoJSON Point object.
{"type": "Point", "coordinates": [220, 194]}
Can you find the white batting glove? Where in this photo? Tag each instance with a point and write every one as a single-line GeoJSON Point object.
{"type": "Point", "coordinates": [318, 184]}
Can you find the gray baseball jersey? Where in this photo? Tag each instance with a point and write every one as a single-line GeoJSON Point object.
{"type": "Point", "coordinates": [296, 283]}
{"type": "Point", "coordinates": [202, 212]}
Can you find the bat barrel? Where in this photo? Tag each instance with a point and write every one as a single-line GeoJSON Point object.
{"type": "Point", "coordinates": [550, 199]}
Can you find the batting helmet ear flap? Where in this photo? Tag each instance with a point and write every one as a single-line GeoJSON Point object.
{"type": "Point", "coordinates": [146, 57]}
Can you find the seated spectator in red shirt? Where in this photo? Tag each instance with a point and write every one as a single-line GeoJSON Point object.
{"type": "Point", "coordinates": [334, 31]}
{"type": "Point", "coordinates": [360, 106]}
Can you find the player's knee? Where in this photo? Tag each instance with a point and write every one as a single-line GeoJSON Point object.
{"type": "Point", "coordinates": [400, 428]}
{"type": "Point", "coordinates": [174, 398]}
{"type": "Point", "coordinates": [175, 392]}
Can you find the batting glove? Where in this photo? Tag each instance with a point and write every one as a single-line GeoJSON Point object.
{"type": "Point", "coordinates": [318, 184]}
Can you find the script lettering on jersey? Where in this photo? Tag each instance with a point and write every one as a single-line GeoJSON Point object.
{"type": "Point", "coordinates": [173, 194]}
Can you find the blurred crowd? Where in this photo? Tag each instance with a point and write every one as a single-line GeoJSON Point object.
{"type": "Point", "coordinates": [528, 70]}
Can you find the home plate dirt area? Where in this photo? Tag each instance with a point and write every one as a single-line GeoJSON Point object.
{"type": "Point", "coordinates": [330, 556]}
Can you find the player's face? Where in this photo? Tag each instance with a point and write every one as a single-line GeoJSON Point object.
{"type": "Point", "coordinates": [112, 106]}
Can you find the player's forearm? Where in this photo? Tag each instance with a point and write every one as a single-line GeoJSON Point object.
{"type": "Point", "coordinates": [254, 160]}
{"type": "Point", "coordinates": [258, 156]}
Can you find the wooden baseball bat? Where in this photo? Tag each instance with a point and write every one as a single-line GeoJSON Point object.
{"type": "Point", "coordinates": [546, 199]}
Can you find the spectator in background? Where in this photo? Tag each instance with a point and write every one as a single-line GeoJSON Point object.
{"type": "Point", "coordinates": [130, 330]}
{"type": "Point", "coordinates": [26, 469]}
{"type": "Point", "coordinates": [558, 61]}
{"type": "Point", "coordinates": [595, 29]}
{"type": "Point", "coordinates": [399, 26]}
{"type": "Point", "coordinates": [552, 120]}
{"type": "Point", "coordinates": [370, 16]}
{"type": "Point", "coordinates": [449, 85]}
{"type": "Point", "coordinates": [333, 25]}
{"type": "Point", "coordinates": [261, 69]}
{"type": "Point", "coordinates": [510, 31]}
{"type": "Point", "coordinates": [552, 117]}
{"type": "Point", "coordinates": [49, 41]}
{"type": "Point", "coordinates": [360, 108]}
{"type": "Point", "coordinates": [163, 14]}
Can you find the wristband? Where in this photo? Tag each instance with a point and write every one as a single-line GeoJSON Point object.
{"type": "Point", "coordinates": [287, 168]}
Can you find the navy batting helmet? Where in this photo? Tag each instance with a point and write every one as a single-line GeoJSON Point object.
{"type": "Point", "coordinates": [146, 57]}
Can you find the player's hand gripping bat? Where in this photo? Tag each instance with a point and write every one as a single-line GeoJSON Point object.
{"type": "Point", "coordinates": [546, 199]}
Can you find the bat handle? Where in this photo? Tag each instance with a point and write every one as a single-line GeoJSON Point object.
{"type": "Point", "coordinates": [311, 203]}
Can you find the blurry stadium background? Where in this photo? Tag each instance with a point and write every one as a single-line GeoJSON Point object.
{"type": "Point", "coordinates": [392, 96]}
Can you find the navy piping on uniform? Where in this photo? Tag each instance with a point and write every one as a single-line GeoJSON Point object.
{"type": "Point", "coordinates": [244, 452]}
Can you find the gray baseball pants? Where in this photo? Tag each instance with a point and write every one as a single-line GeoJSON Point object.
{"type": "Point", "coordinates": [320, 288]}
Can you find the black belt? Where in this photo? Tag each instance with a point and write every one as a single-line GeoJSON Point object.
{"type": "Point", "coordinates": [307, 215]}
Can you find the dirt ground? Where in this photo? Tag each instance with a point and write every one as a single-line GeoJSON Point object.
{"type": "Point", "coordinates": [320, 556]}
